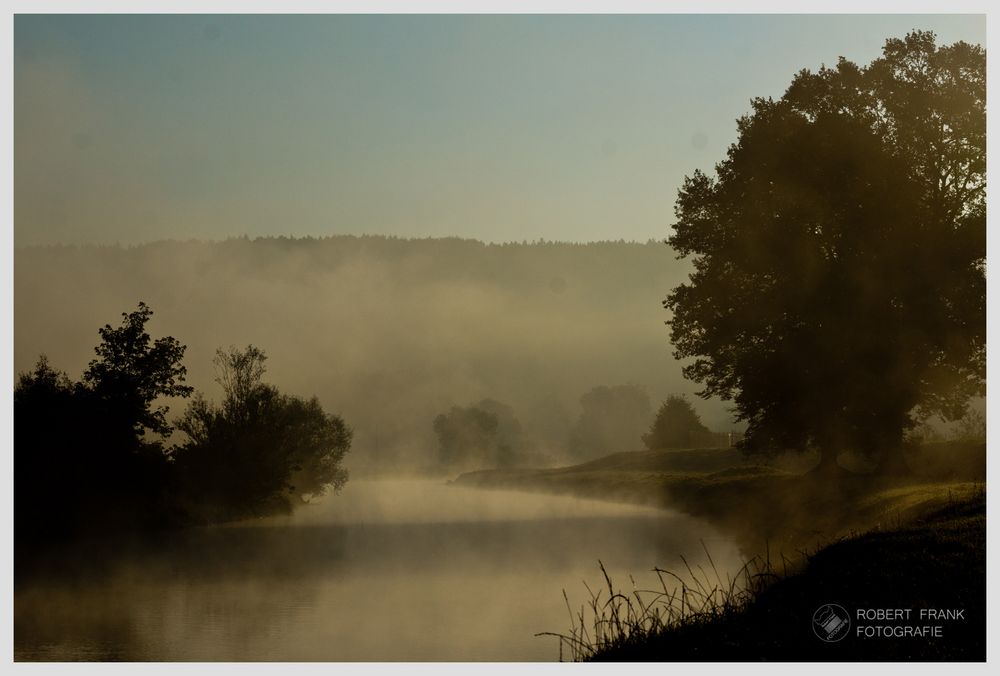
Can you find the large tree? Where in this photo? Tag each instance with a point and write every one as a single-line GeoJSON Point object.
{"type": "Point", "coordinates": [839, 251]}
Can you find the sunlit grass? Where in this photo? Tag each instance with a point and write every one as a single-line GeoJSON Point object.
{"type": "Point", "coordinates": [902, 502]}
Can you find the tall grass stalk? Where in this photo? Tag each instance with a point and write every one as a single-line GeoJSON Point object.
{"type": "Point", "coordinates": [614, 619]}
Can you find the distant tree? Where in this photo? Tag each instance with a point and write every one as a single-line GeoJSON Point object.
{"type": "Point", "coordinates": [509, 444]}
{"type": "Point", "coordinates": [677, 425]}
{"type": "Point", "coordinates": [260, 449]}
{"type": "Point", "coordinates": [466, 436]}
{"type": "Point", "coordinates": [486, 434]}
{"type": "Point", "coordinates": [612, 419]}
{"type": "Point", "coordinates": [839, 287]}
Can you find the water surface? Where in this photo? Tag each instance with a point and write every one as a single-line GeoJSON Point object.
{"type": "Point", "coordinates": [390, 570]}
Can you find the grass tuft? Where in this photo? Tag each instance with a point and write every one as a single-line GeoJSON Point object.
{"type": "Point", "coordinates": [613, 620]}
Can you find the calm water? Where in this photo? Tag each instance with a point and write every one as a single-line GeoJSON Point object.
{"type": "Point", "coordinates": [388, 570]}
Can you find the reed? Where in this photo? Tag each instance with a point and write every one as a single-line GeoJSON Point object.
{"type": "Point", "coordinates": [612, 619]}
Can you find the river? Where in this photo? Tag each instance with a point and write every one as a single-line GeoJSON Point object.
{"type": "Point", "coordinates": [389, 570]}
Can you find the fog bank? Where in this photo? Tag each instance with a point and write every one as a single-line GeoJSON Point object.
{"type": "Point", "coordinates": [387, 332]}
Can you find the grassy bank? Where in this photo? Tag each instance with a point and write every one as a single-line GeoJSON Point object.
{"type": "Point", "coordinates": [857, 540]}
{"type": "Point", "coordinates": [778, 506]}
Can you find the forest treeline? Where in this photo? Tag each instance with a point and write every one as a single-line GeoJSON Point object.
{"type": "Point", "coordinates": [97, 455]}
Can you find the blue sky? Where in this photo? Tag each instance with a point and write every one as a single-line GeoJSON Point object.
{"type": "Point", "coordinates": [137, 128]}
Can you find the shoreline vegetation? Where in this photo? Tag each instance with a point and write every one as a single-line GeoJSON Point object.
{"type": "Point", "coordinates": [863, 541]}
{"type": "Point", "coordinates": [96, 457]}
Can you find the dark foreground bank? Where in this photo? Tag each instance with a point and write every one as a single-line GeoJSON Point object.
{"type": "Point", "coordinates": [849, 567]}
{"type": "Point", "coordinates": [913, 592]}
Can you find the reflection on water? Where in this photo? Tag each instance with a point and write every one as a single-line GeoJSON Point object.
{"type": "Point", "coordinates": [389, 570]}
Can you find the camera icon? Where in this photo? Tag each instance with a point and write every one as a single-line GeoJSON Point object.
{"type": "Point", "coordinates": [831, 623]}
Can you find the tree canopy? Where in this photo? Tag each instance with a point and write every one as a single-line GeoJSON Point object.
{"type": "Point", "coordinates": [839, 287]}
{"type": "Point", "coordinates": [260, 449]}
{"type": "Point", "coordinates": [132, 371]}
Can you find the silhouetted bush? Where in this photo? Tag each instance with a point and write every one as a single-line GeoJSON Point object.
{"type": "Point", "coordinates": [261, 450]}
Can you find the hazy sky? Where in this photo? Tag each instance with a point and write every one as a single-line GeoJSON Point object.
{"type": "Point", "coordinates": [131, 129]}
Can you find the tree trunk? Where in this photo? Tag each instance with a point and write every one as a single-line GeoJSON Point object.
{"type": "Point", "coordinates": [893, 462]}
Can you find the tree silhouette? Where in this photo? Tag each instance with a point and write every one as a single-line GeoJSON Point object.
{"type": "Point", "coordinates": [89, 455]}
{"type": "Point", "coordinates": [130, 373]}
{"type": "Point", "coordinates": [677, 425]}
{"type": "Point", "coordinates": [839, 287]}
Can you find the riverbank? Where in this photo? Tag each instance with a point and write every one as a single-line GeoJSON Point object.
{"type": "Point", "coordinates": [779, 507]}
{"type": "Point", "coordinates": [860, 541]}
{"type": "Point", "coordinates": [914, 592]}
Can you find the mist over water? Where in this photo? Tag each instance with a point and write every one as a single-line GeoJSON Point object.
{"type": "Point", "coordinates": [350, 415]}
{"type": "Point", "coordinates": [390, 570]}
{"type": "Point", "coordinates": [388, 333]}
